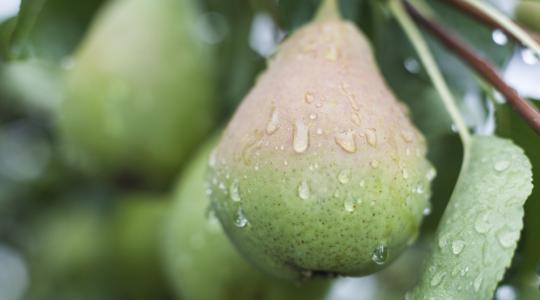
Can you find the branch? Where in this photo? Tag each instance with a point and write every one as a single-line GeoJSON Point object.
{"type": "Point", "coordinates": [481, 65]}
{"type": "Point", "coordinates": [487, 20]}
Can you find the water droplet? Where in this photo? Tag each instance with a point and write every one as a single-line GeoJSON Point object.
{"type": "Point", "coordinates": [437, 278]}
{"type": "Point", "coordinates": [529, 56]}
{"type": "Point", "coordinates": [344, 176]}
{"type": "Point", "coordinates": [419, 189]}
{"type": "Point", "coordinates": [431, 174]}
{"type": "Point", "coordinates": [346, 141]}
{"type": "Point", "coordinates": [240, 219]}
{"type": "Point", "coordinates": [427, 210]}
{"type": "Point", "coordinates": [308, 97]}
{"type": "Point", "coordinates": [478, 282]}
{"type": "Point", "coordinates": [300, 137]}
{"type": "Point", "coordinates": [499, 37]}
{"type": "Point", "coordinates": [411, 65]}
{"type": "Point", "coordinates": [483, 224]}
{"type": "Point", "coordinates": [349, 204]}
{"type": "Point", "coordinates": [355, 118]}
{"type": "Point", "coordinates": [374, 164]}
{"type": "Point", "coordinates": [332, 53]}
{"type": "Point", "coordinates": [303, 190]}
{"type": "Point", "coordinates": [501, 165]}
{"type": "Point", "coordinates": [319, 131]}
{"type": "Point", "coordinates": [407, 135]}
{"type": "Point", "coordinates": [212, 159]}
{"type": "Point", "coordinates": [380, 254]}
{"type": "Point", "coordinates": [404, 173]}
{"type": "Point", "coordinates": [234, 192]}
{"type": "Point", "coordinates": [505, 292]}
{"type": "Point", "coordinates": [371, 137]}
{"type": "Point", "coordinates": [273, 122]}
{"type": "Point", "coordinates": [507, 238]}
{"type": "Point", "coordinates": [313, 116]}
{"type": "Point", "coordinates": [457, 246]}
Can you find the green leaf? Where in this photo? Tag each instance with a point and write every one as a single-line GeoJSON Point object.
{"type": "Point", "coordinates": [28, 14]}
{"type": "Point", "coordinates": [479, 230]}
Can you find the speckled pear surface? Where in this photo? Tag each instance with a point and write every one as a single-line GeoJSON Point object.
{"type": "Point", "coordinates": [320, 171]}
{"type": "Point", "coordinates": [138, 93]}
{"type": "Point", "coordinates": [200, 261]}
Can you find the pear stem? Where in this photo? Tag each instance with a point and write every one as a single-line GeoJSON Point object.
{"type": "Point", "coordinates": [509, 26]}
{"type": "Point", "coordinates": [422, 49]}
{"type": "Point", "coordinates": [482, 66]}
{"type": "Point", "coordinates": [328, 10]}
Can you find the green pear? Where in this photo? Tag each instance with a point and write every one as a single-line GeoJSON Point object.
{"type": "Point", "coordinates": [320, 171]}
{"type": "Point", "coordinates": [138, 91]}
{"type": "Point", "coordinates": [136, 227]}
{"type": "Point", "coordinates": [67, 250]}
{"type": "Point", "coordinates": [201, 262]}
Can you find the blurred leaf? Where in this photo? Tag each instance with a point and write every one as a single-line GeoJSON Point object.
{"type": "Point", "coordinates": [25, 21]}
{"type": "Point", "coordinates": [511, 125]}
{"type": "Point", "coordinates": [480, 228]}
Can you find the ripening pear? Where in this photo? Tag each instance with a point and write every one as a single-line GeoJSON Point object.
{"type": "Point", "coordinates": [138, 95]}
{"type": "Point", "coordinates": [200, 261]}
{"type": "Point", "coordinates": [320, 171]}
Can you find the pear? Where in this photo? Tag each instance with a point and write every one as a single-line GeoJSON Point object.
{"type": "Point", "coordinates": [320, 171]}
{"type": "Point", "coordinates": [138, 90]}
{"type": "Point", "coordinates": [136, 227]}
{"type": "Point", "coordinates": [200, 261]}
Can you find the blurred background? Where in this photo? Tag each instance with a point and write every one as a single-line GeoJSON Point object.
{"type": "Point", "coordinates": [105, 105]}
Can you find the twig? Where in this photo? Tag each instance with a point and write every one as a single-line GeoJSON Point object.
{"type": "Point", "coordinates": [481, 65]}
{"type": "Point", "coordinates": [487, 20]}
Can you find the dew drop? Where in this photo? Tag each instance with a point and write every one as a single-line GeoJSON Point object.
{"type": "Point", "coordinates": [300, 137]}
{"type": "Point", "coordinates": [374, 164]}
{"type": "Point", "coordinates": [234, 192]}
{"type": "Point", "coordinates": [427, 210]}
{"type": "Point", "coordinates": [303, 190]}
{"type": "Point", "coordinates": [529, 56]}
{"type": "Point", "coordinates": [507, 238]}
{"type": "Point", "coordinates": [355, 118]}
{"type": "Point", "coordinates": [457, 246]}
{"type": "Point", "coordinates": [499, 37]}
{"type": "Point", "coordinates": [308, 97]}
{"type": "Point", "coordinates": [407, 135]}
{"type": "Point", "coordinates": [431, 174]}
{"type": "Point", "coordinates": [212, 159]}
{"type": "Point", "coordinates": [419, 189]}
{"type": "Point", "coordinates": [478, 282]}
{"type": "Point", "coordinates": [319, 131]}
{"type": "Point", "coordinates": [482, 224]}
{"type": "Point", "coordinates": [437, 278]}
{"type": "Point", "coordinates": [313, 116]}
{"type": "Point", "coordinates": [380, 254]}
{"type": "Point", "coordinates": [404, 173]}
{"type": "Point", "coordinates": [346, 141]}
{"type": "Point", "coordinates": [411, 65]}
{"type": "Point", "coordinates": [371, 137]}
{"type": "Point", "coordinates": [273, 122]}
{"type": "Point", "coordinates": [332, 53]}
{"type": "Point", "coordinates": [501, 165]}
{"type": "Point", "coordinates": [349, 204]}
{"type": "Point", "coordinates": [240, 219]}
{"type": "Point", "coordinates": [344, 176]}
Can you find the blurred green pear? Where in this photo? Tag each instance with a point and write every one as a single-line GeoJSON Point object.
{"type": "Point", "coordinates": [202, 263]}
{"type": "Point", "coordinates": [138, 91]}
{"type": "Point", "coordinates": [136, 238]}
{"type": "Point", "coordinates": [68, 254]}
